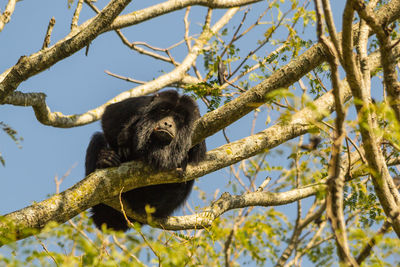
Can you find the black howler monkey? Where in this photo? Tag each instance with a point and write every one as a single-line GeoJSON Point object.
{"type": "Point", "coordinates": [157, 130]}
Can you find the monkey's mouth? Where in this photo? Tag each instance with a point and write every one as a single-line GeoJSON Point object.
{"type": "Point", "coordinates": [163, 135]}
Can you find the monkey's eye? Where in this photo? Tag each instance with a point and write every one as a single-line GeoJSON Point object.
{"type": "Point", "coordinates": [179, 119]}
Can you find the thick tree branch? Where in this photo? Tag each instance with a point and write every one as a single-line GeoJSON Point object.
{"type": "Point", "coordinates": [225, 203]}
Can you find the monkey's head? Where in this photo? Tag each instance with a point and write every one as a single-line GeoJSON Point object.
{"type": "Point", "coordinates": [163, 132]}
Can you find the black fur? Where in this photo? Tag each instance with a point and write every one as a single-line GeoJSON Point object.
{"type": "Point", "coordinates": [157, 130]}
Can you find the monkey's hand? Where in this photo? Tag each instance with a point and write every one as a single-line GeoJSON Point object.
{"type": "Point", "coordinates": [108, 158]}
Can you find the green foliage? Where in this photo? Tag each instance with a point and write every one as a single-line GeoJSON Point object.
{"type": "Point", "coordinates": [10, 132]}
{"type": "Point", "coordinates": [70, 3]}
{"type": "Point", "coordinates": [79, 244]}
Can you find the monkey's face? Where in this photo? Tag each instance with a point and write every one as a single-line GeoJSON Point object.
{"type": "Point", "coordinates": [165, 130]}
{"type": "Point", "coordinates": [161, 127]}
{"type": "Point", "coordinates": [162, 133]}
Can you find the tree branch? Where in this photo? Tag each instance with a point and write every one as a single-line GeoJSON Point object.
{"type": "Point", "coordinates": [170, 6]}
{"type": "Point", "coordinates": [6, 16]}
{"type": "Point", "coordinates": [28, 66]}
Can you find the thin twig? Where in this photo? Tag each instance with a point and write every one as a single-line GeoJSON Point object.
{"type": "Point", "coordinates": [75, 18]}
{"type": "Point", "coordinates": [50, 27]}
{"type": "Point", "coordinates": [46, 250]}
{"type": "Point", "coordinates": [126, 250]}
{"type": "Point", "coordinates": [124, 78]}
{"type": "Point", "coordinates": [331, 27]}
{"type": "Point", "coordinates": [134, 45]}
{"type": "Point", "coordinates": [6, 16]}
{"type": "Point", "coordinates": [266, 40]}
{"type": "Point", "coordinates": [139, 231]}
{"type": "Point", "coordinates": [366, 251]}
{"type": "Point", "coordinates": [59, 181]}
{"type": "Point", "coordinates": [236, 32]}
{"type": "Point", "coordinates": [336, 176]}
